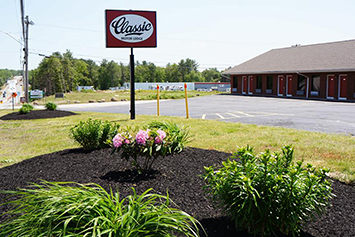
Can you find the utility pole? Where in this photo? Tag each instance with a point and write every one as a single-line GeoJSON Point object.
{"type": "Point", "coordinates": [27, 23]}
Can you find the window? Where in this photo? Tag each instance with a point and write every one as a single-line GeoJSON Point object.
{"type": "Point", "coordinates": [315, 83]}
{"type": "Point", "coordinates": [301, 83]}
{"type": "Point", "coordinates": [235, 83]}
{"type": "Point", "coordinates": [269, 82]}
{"type": "Point", "coordinates": [259, 82]}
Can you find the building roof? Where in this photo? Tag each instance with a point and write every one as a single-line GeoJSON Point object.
{"type": "Point", "coordinates": [325, 57]}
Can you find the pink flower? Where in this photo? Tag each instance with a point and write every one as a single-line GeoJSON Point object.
{"type": "Point", "coordinates": [159, 139]}
{"type": "Point", "coordinates": [127, 141]}
{"type": "Point", "coordinates": [141, 137]}
{"type": "Point", "coordinates": [118, 140]}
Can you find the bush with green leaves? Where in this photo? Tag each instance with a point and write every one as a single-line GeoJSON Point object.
{"type": "Point", "coordinates": [94, 134]}
{"type": "Point", "coordinates": [269, 193]}
{"type": "Point", "coordinates": [70, 209]}
{"type": "Point", "coordinates": [178, 137]}
{"type": "Point", "coordinates": [51, 105]}
{"type": "Point", "coordinates": [26, 108]}
{"type": "Point", "coordinates": [146, 145]}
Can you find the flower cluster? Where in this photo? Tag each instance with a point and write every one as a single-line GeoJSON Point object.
{"type": "Point", "coordinates": [161, 135]}
{"type": "Point", "coordinates": [141, 137]}
{"type": "Point", "coordinates": [143, 148]}
{"type": "Point", "coordinates": [121, 138]}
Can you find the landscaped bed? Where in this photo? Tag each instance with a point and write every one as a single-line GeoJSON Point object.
{"type": "Point", "coordinates": [37, 114]}
{"type": "Point", "coordinates": [179, 174]}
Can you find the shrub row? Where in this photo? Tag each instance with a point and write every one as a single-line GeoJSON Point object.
{"type": "Point", "coordinates": [26, 108]}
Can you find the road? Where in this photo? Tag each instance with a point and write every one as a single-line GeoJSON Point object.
{"type": "Point", "coordinates": [310, 115]}
{"type": "Point", "coordinates": [13, 85]}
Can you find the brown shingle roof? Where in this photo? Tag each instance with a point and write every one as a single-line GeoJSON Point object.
{"type": "Point", "coordinates": [332, 57]}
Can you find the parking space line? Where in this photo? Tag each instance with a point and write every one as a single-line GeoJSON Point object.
{"type": "Point", "coordinates": [220, 116]}
{"type": "Point", "coordinates": [249, 115]}
{"type": "Point", "coordinates": [236, 116]}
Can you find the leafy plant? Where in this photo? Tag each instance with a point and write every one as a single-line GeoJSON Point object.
{"type": "Point", "coordinates": [26, 108]}
{"type": "Point", "coordinates": [178, 137]}
{"type": "Point", "coordinates": [51, 106]}
{"type": "Point", "coordinates": [71, 209]}
{"type": "Point", "coordinates": [145, 146]}
{"type": "Point", "coordinates": [268, 193]}
{"type": "Point", "coordinates": [93, 134]}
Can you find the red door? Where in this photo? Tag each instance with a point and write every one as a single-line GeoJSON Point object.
{"type": "Point", "coordinates": [245, 84]}
{"type": "Point", "coordinates": [289, 85]}
{"type": "Point", "coordinates": [342, 82]}
{"type": "Point", "coordinates": [331, 85]}
{"type": "Point", "coordinates": [281, 85]}
{"type": "Point", "coordinates": [251, 85]}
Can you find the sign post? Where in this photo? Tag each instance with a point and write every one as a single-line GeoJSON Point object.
{"type": "Point", "coordinates": [158, 109]}
{"type": "Point", "coordinates": [130, 29]}
{"type": "Point", "coordinates": [133, 106]}
{"type": "Point", "coordinates": [187, 106]}
{"type": "Point", "coordinates": [14, 94]}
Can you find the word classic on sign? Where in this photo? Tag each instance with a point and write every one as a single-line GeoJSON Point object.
{"type": "Point", "coordinates": [131, 28]}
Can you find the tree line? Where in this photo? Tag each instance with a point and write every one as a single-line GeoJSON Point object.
{"type": "Point", "coordinates": [63, 73]}
{"type": "Point", "coordinates": [6, 74]}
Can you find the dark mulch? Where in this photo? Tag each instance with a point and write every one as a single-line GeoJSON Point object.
{"type": "Point", "coordinates": [37, 114]}
{"type": "Point", "coordinates": [178, 173]}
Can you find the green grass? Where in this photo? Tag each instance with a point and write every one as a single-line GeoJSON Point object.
{"type": "Point", "coordinates": [25, 139]}
{"type": "Point", "coordinates": [84, 97]}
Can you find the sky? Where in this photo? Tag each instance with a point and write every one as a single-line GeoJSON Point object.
{"type": "Point", "coordinates": [217, 34]}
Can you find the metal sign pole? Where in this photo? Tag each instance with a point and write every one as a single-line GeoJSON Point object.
{"type": "Point", "coordinates": [133, 110]}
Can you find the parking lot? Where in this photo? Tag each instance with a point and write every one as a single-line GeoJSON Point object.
{"type": "Point", "coordinates": [310, 115]}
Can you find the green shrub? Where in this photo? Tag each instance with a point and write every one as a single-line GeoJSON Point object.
{"type": "Point", "coordinates": [51, 106]}
{"type": "Point", "coordinates": [178, 137]}
{"type": "Point", "coordinates": [26, 108]}
{"type": "Point", "coordinates": [145, 146]}
{"type": "Point", "coordinates": [269, 193]}
{"type": "Point", "coordinates": [57, 209]}
{"type": "Point", "coordinates": [93, 134]}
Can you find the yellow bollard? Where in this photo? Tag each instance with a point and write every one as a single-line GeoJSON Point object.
{"type": "Point", "coordinates": [158, 100]}
{"type": "Point", "coordinates": [187, 106]}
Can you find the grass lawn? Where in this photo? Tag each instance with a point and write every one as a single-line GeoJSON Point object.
{"type": "Point", "coordinates": [84, 97]}
{"type": "Point", "coordinates": [23, 139]}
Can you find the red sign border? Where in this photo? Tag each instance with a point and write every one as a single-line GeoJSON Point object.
{"type": "Point", "coordinates": [112, 42]}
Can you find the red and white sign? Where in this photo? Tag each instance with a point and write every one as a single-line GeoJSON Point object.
{"type": "Point", "coordinates": [126, 29]}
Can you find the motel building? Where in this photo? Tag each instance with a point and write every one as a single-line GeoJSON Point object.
{"type": "Point", "coordinates": [319, 71]}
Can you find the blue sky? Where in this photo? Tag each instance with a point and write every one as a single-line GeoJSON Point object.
{"type": "Point", "coordinates": [214, 33]}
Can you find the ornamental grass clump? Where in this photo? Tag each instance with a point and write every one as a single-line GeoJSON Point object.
{"type": "Point", "coordinates": [50, 106]}
{"type": "Point", "coordinates": [94, 134]}
{"type": "Point", "coordinates": [269, 193]}
{"type": "Point", "coordinates": [71, 209]}
{"type": "Point", "coordinates": [26, 108]}
{"type": "Point", "coordinates": [143, 147]}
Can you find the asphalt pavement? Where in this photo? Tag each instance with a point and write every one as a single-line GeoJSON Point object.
{"type": "Point", "coordinates": [310, 115]}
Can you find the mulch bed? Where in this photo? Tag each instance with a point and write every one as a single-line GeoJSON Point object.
{"type": "Point", "coordinates": [37, 114]}
{"type": "Point", "coordinates": [179, 174]}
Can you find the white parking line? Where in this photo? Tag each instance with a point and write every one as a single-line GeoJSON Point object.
{"type": "Point", "coordinates": [220, 116]}
{"type": "Point", "coordinates": [236, 116]}
{"type": "Point", "coordinates": [249, 115]}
